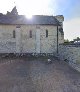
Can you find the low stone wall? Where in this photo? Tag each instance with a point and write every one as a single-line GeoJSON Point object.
{"type": "Point", "coordinates": [70, 53]}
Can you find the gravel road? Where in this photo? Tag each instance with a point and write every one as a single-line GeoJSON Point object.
{"type": "Point", "coordinates": [25, 75]}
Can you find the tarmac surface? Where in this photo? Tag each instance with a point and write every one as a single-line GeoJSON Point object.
{"type": "Point", "coordinates": [36, 75]}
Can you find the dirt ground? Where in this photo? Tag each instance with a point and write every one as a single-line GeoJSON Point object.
{"type": "Point", "coordinates": [36, 75]}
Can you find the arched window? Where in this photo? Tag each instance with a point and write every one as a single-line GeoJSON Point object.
{"type": "Point", "coordinates": [46, 33]}
{"type": "Point", "coordinates": [14, 34]}
{"type": "Point", "coordinates": [30, 34]}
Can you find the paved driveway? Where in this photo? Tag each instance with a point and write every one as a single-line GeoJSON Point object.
{"type": "Point", "coordinates": [23, 75]}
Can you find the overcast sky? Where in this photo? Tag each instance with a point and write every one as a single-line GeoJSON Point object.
{"type": "Point", "coordinates": [70, 9]}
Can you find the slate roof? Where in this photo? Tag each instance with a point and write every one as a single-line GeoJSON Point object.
{"type": "Point", "coordinates": [21, 19]}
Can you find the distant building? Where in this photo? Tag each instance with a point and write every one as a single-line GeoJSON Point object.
{"type": "Point", "coordinates": [40, 34]}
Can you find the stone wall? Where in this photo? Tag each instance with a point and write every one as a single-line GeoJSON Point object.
{"type": "Point", "coordinates": [22, 43]}
{"type": "Point", "coordinates": [7, 47]}
{"type": "Point", "coordinates": [71, 54]}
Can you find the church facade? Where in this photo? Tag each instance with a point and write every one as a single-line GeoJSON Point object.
{"type": "Point", "coordinates": [40, 34]}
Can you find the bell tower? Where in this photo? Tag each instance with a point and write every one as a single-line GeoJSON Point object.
{"type": "Point", "coordinates": [60, 18]}
{"type": "Point", "coordinates": [14, 11]}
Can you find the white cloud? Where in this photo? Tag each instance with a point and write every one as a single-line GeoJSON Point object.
{"type": "Point", "coordinates": [72, 28]}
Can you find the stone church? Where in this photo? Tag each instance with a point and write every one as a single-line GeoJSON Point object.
{"type": "Point", "coordinates": [40, 34]}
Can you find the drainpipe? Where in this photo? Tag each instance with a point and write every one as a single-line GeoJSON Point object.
{"type": "Point", "coordinates": [57, 39]}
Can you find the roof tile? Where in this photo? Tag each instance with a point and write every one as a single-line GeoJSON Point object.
{"type": "Point", "coordinates": [21, 19]}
